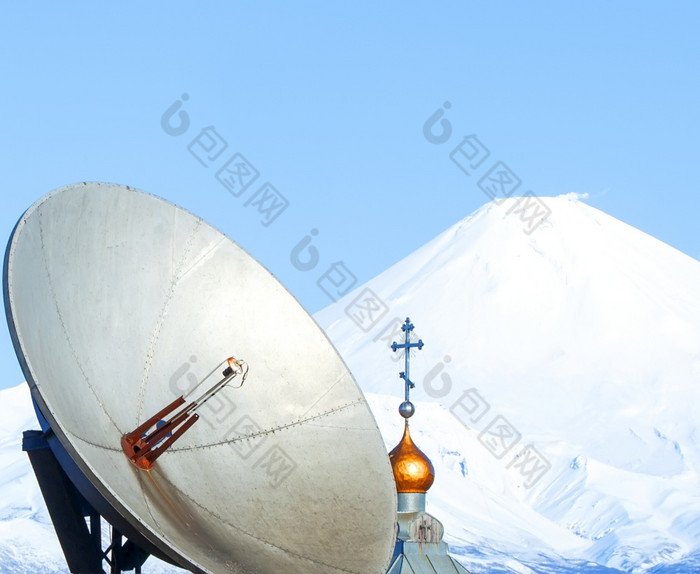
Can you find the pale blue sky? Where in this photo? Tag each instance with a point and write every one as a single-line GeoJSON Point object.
{"type": "Point", "coordinates": [327, 101]}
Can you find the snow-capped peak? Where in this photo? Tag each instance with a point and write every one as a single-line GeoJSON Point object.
{"type": "Point", "coordinates": [573, 349]}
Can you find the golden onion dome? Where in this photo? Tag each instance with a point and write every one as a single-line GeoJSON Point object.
{"type": "Point", "coordinates": [413, 471]}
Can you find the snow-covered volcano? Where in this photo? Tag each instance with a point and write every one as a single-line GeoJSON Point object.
{"type": "Point", "coordinates": [556, 395]}
{"type": "Point", "coordinates": [563, 367]}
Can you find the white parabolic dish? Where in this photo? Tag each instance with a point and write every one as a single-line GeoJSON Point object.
{"type": "Point", "coordinates": [118, 302]}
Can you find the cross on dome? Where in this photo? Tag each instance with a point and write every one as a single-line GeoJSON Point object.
{"type": "Point", "coordinates": [406, 409]}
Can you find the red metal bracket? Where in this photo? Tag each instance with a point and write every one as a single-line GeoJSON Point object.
{"type": "Point", "coordinates": [143, 447]}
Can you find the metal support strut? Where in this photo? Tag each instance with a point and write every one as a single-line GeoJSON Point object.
{"type": "Point", "coordinates": [77, 524]}
{"type": "Point", "coordinates": [151, 439]}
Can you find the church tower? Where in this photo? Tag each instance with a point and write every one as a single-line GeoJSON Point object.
{"type": "Point", "coordinates": [419, 546]}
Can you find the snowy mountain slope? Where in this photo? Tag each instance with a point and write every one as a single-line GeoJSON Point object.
{"type": "Point", "coordinates": [565, 363]}
{"type": "Point", "coordinates": [556, 396]}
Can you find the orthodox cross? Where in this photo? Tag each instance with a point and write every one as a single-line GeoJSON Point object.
{"type": "Point", "coordinates": [406, 409]}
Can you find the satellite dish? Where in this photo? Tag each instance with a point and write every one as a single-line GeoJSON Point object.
{"type": "Point", "coordinates": [119, 303]}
